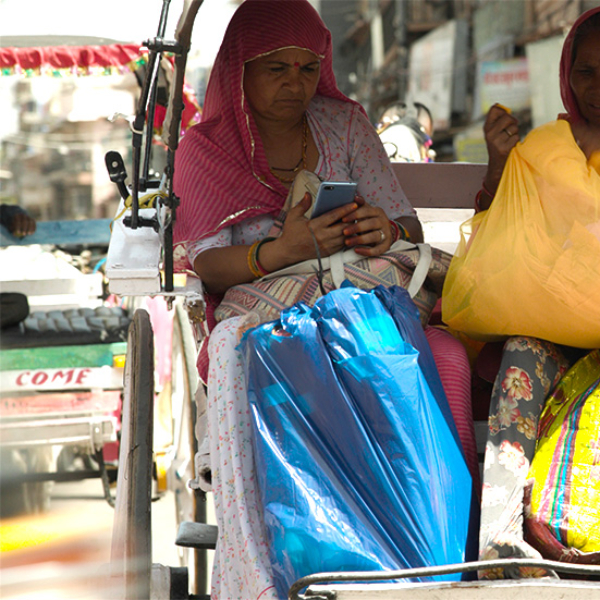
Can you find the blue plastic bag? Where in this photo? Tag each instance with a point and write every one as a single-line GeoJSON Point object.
{"type": "Point", "coordinates": [358, 461]}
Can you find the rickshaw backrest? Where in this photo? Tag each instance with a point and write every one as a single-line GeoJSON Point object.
{"type": "Point", "coordinates": [454, 186]}
{"type": "Point", "coordinates": [440, 185]}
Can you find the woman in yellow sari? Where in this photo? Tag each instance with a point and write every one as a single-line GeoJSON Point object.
{"type": "Point", "coordinates": [532, 274]}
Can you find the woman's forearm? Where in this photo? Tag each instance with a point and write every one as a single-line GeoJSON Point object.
{"type": "Point", "coordinates": [221, 268]}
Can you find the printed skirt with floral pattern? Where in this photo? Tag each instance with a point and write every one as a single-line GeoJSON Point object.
{"type": "Point", "coordinates": [529, 371]}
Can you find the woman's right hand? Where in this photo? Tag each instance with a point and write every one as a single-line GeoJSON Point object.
{"type": "Point", "coordinates": [501, 132]}
{"type": "Point", "coordinates": [297, 240]}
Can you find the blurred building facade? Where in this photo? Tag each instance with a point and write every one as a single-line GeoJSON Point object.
{"type": "Point", "coordinates": [53, 158]}
{"type": "Point", "coordinates": [457, 57]}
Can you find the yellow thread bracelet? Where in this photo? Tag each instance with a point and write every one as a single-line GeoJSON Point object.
{"type": "Point", "coordinates": [250, 260]}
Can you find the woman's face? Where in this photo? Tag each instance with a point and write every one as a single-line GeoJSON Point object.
{"type": "Point", "coordinates": [585, 78]}
{"type": "Point", "coordinates": [280, 85]}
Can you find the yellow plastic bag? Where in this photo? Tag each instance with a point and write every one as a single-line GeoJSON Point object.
{"type": "Point", "coordinates": [562, 517]}
{"type": "Point", "coordinates": [530, 265]}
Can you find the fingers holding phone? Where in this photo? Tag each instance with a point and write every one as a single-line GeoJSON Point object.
{"type": "Point", "coordinates": [299, 234]}
{"type": "Point", "coordinates": [347, 218]}
{"type": "Point", "coordinates": [334, 201]}
{"type": "Point", "coordinates": [367, 230]}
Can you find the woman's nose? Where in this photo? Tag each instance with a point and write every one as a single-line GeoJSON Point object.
{"type": "Point", "coordinates": [293, 79]}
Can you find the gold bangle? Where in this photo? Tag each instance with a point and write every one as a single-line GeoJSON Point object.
{"type": "Point", "coordinates": [250, 260]}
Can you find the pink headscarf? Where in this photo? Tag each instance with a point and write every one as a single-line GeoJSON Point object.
{"type": "Point", "coordinates": [566, 62]}
{"type": "Point", "coordinates": [218, 177]}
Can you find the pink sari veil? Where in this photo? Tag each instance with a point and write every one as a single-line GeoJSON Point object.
{"type": "Point", "coordinates": [568, 98]}
{"type": "Point", "coordinates": [221, 172]}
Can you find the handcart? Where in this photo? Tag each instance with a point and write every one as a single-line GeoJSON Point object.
{"type": "Point", "coordinates": [61, 369]}
{"type": "Point", "coordinates": [140, 263]}
{"type": "Point", "coordinates": [62, 374]}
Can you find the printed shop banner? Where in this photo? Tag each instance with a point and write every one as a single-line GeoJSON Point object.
{"type": "Point", "coordinates": [504, 81]}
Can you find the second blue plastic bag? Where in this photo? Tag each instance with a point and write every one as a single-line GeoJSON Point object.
{"type": "Point", "coordinates": [358, 460]}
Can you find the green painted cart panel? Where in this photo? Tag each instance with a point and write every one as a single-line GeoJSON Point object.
{"type": "Point", "coordinates": [57, 357]}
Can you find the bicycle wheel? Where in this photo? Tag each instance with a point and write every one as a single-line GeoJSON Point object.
{"type": "Point", "coordinates": [131, 550]}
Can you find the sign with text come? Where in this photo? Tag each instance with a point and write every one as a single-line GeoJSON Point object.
{"type": "Point", "coordinates": [61, 379]}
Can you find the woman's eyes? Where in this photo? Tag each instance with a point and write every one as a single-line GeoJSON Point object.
{"type": "Point", "coordinates": [307, 69]}
{"type": "Point", "coordinates": [584, 70]}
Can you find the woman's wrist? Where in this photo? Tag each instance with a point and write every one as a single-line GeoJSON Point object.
{"type": "Point", "coordinates": [493, 175]}
{"type": "Point", "coordinates": [486, 188]}
{"type": "Point", "coordinates": [484, 197]}
{"type": "Point", "coordinates": [255, 265]}
{"type": "Point", "coordinates": [399, 232]}
{"type": "Point", "coordinates": [274, 254]}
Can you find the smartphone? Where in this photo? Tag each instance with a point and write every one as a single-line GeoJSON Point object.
{"type": "Point", "coordinates": [333, 194]}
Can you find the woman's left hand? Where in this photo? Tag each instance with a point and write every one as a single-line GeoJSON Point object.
{"type": "Point", "coordinates": [368, 230]}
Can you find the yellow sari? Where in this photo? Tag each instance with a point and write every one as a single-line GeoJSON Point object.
{"type": "Point", "coordinates": [530, 265]}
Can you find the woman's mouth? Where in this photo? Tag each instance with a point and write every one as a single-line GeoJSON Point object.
{"type": "Point", "coordinates": [592, 109]}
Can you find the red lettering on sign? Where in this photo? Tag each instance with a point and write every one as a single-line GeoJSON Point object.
{"type": "Point", "coordinates": [505, 78]}
{"type": "Point", "coordinates": [53, 378]}
{"type": "Point", "coordinates": [20, 378]}
{"type": "Point", "coordinates": [39, 378]}
{"type": "Point", "coordinates": [82, 375]}
{"type": "Point", "coordinates": [67, 376]}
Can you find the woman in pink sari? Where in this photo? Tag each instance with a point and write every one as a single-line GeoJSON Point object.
{"type": "Point", "coordinates": [272, 110]}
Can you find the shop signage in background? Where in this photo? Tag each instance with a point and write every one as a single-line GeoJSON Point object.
{"type": "Point", "coordinates": [438, 72]}
{"type": "Point", "coordinates": [469, 145]}
{"type": "Point", "coordinates": [543, 58]}
{"type": "Point", "coordinates": [506, 82]}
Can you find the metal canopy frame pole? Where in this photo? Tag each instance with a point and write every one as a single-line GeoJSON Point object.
{"type": "Point", "coordinates": [139, 122]}
{"type": "Point", "coordinates": [172, 124]}
{"type": "Point", "coordinates": [144, 118]}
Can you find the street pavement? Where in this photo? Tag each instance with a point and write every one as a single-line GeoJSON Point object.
{"type": "Point", "coordinates": [66, 551]}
